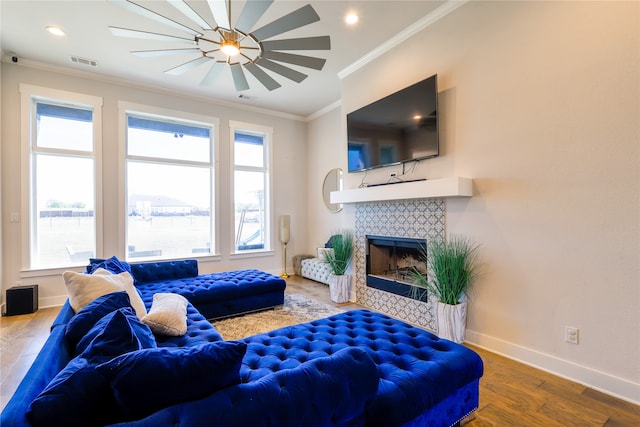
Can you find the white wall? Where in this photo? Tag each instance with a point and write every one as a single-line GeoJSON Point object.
{"type": "Point", "coordinates": [288, 174]}
{"type": "Point", "coordinates": [540, 105]}
{"type": "Point", "coordinates": [325, 142]}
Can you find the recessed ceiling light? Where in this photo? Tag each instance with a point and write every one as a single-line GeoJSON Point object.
{"type": "Point", "coordinates": [351, 18]}
{"type": "Point", "coordinates": [55, 30]}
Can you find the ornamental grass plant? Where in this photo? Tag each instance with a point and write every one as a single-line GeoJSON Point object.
{"type": "Point", "coordinates": [453, 267]}
{"type": "Point", "coordinates": [340, 257]}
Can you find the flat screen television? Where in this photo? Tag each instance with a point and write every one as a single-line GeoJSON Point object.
{"type": "Point", "coordinates": [398, 128]}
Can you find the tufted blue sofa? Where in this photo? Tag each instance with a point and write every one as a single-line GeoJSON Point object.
{"type": "Point", "coordinates": [352, 369]}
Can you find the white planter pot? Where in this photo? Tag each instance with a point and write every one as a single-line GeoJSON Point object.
{"type": "Point", "coordinates": [340, 288]}
{"type": "Point", "coordinates": [451, 321]}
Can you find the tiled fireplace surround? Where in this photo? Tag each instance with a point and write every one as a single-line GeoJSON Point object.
{"type": "Point", "coordinates": [417, 218]}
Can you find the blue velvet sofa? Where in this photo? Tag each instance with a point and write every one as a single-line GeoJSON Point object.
{"type": "Point", "coordinates": [352, 369]}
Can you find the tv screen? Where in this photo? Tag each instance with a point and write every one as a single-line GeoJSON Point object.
{"type": "Point", "coordinates": [398, 128]}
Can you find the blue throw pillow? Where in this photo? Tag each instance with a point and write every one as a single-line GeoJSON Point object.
{"type": "Point", "coordinates": [119, 331]}
{"type": "Point", "coordinates": [331, 240]}
{"type": "Point", "coordinates": [148, 380]}
{"type": "Point", "coordinates": [79, 395]}
{"type": "Point", "coordinates": [113, 264]}
{"type": "Point", "coordinates": [86, 318]}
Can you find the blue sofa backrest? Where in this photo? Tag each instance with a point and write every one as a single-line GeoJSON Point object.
{"type": "Point", "coordinates": [164, 270]}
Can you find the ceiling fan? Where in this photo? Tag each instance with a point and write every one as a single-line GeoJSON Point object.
{"type": "Point", "coordinates": [236, 46]}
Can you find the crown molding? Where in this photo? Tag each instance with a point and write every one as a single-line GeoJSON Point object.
{"type": "Point", "coordinates": [29, 63]}
{"type": "Point", "coordinates": [426, 21]}
{"type": "Point", "coordinates": [323, 111]}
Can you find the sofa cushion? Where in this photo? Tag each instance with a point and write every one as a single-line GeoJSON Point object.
{"type": "Point", "coordinates": [168, 314]}
{"type": "Point", "coordinates": [79, 395]}
{"type": "Point", "coordinates": [116, 333]}
{"type": "Point", "coordinates": [86, 318]}
{"type": "Point", "coordinates": [83, 288]}
{"type": "Point", "coordinates": [145, 381]}
{"type": "Point", "coordinates": [199, 331]}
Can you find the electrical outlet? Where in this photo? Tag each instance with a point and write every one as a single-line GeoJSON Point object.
{"type": "Point", "coordinates": [15, 217]}
{"type": "Point", "coordinates": [571, 334]}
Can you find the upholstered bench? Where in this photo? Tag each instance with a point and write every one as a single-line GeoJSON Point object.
{"type": "Point", "coordinates": [297, 263]}
{"type": "Point", "coordinates": [316, 269]}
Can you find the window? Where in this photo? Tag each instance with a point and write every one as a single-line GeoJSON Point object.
{"type": "Point", "coordinates": [62, 141]}
{"type": "Point", "coordinates": [169, 187]}
{"type": "Point", "coordinates": [251, 187]}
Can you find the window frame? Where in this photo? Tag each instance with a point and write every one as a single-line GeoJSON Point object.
{"type": "Point", "coordinates": [267, 133]}
{"type": "Point", "coordinates": [29, 96]}
{"type": "Point", "coordinates": [164, 114]}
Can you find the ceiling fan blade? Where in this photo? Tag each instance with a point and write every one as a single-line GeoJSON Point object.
{"type": "Point", "coordinates": [239, 78]}
{"type": "Point", "coordinates": [124, 32]}
{"type": "Point", "coordinates": [180, 69]}
{"type": "Point", "coordinates": [252, 11]}
{"type": "Point", "coordinates": [148, 13]}
{"type": "Point", "coordinates": [308, 43]}
{"type": "Point", "coordinates": [220, 13]}
{"type": "Point", "coordinates": [213, 73]}
{"type": "Point", "coordinates": [264, 78]}
{"type": "Point", "coordinates": [287, 72]}
{"type": "Point", "coordinates": [296, 19]}
{"type": "Point", "coordinates": [188, 11]}
{"type": "Point", "coordinates": [303, 61]}
{"type": "Point", "coordinates": [163, 52]}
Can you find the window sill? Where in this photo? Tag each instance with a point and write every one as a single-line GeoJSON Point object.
{"type": "Point", "coordinates": [252, 254]}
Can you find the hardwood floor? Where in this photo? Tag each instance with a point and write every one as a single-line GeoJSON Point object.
{"type": "Point", "coordinates": [511, 393]}
{"type": "Point", "coordinates": [21, 338]}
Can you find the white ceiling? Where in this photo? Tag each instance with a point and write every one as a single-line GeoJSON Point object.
{"type": "Point", "coordinates": [88, 36]}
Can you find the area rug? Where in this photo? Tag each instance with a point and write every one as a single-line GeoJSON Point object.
{"type": "Point", "coordinates": [296, 309]}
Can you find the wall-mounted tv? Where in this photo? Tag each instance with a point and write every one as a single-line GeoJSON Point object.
{"type": "Point", "coordinates": [398, 128]}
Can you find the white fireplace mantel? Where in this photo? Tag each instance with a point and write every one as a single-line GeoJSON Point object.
{"type": "Point", "coordinates": [431, 188]}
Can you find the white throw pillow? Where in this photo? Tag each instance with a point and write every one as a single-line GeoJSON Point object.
{"type": "Point", "coordinates": [322, 253]}
{"type": "Point", "coordinates": [83, 288]}
{"type": "Point", "coordinates": [168, 315]}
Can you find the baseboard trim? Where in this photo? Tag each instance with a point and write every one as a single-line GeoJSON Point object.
{"type": "Point", "coordinates": [48, 302]}
{"type": "Point", "coordinates": [601, 381]}
{"type": "Point", "coordinates": [56, 301]}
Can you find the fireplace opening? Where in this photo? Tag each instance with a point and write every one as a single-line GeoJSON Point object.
{"type": "Point", "coordinates": [389, 262]}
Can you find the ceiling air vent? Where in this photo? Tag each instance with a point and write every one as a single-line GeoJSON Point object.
{"type": "Point", "coordinates": [84, 61]}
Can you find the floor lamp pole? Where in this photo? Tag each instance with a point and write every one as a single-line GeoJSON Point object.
{"type": "Point", "coordinates": [284, 274]}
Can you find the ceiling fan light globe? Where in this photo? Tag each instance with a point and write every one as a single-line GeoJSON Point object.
{"type": "Point", "coordinates": [230, 49]}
